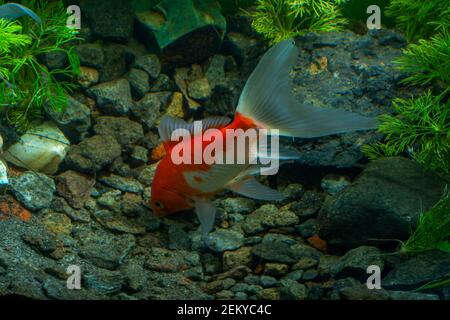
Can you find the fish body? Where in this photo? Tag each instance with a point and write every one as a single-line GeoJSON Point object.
{"type": "Point", "coordinates": [266, 103]}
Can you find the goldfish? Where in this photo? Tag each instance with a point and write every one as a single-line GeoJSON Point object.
{"type": "Point", "coordinates": [266, 103]}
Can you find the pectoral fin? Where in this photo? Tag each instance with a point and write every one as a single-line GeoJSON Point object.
{"type": "Point", "coordinates": [206, 213]}
{"type": "Point", "coordinates": [251, 188]}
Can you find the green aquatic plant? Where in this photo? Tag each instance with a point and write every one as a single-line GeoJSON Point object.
{"type": "Point", "coordinates": [420, 19]}
{"type": "Point", "coordinates": [28, 87]}
{"type": "Point", "coordinates": [427, 61]}
{"type": "Point", "coordinates": [433, 229]}
{"type": "Point", "coordinates": [278, 20]}
{"type": "Point", "coordinates": [421, 128]}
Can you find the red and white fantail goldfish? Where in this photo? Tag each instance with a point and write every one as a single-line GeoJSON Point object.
{"type": "Point", "coordinates": [265, 103]}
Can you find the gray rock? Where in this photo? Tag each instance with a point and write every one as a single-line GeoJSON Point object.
{"type": "Point", "coordinates": [122, 183]}
{"type": "Point", "coordinates": [308, 228]}
{"type": "Point", "coordinates": [293, 290]}
{"type": "Point", "coordinates": [135, 275]}
{"type": "Point", "coordinates": [199, 89]}
{"type": "Point", "coordinates": [115, 65]}
{"type": "Point", "coordinates": [150, 64]}
{"type": "Point", "coordinates": [139, 82]}
{"type": "Point", "coordinates": [148, 109]}
{"type": "Point", "coordinates": [125, 131]}
{"type": "Point", "coordinates": [106, 250]}
{"type": "Point", "coordinates": [138, 156]}
{"type": "Point", "coordinates": [93, 154]}
{"type": "Point", "coordinates": [34, 190]}
{"type": "Point", "coordinates": [356, 261]}
{"type": "Point", "coordinates": [418, 271]}
{"type": "Point", "coordinates": [308, 205]}
{"type": "Point", "coordinates": [237, 205]}
{"type": "Point", "coordinates": [224, 239]}
{"type": "Point", "coordinates": [104, 282]}
{"type": "Point", "coordinates": [102, 17]}
{"type": "Point", "coordinates": [74, 121]}
{"type": "Point", "coordinates": [383, 203]}
{"type": "Point", "coordinates": [90, 55]}
{"type": "Point", "coordinates": [243, 48]}
{"type": "Point", "coordinates": [164, 260]}
{"type": "Point", "coordinates": [333, 184]}
{"type": "Point", "coordinates": [113, 97]}
{"type": "Point", "coordinates": [254, 222]}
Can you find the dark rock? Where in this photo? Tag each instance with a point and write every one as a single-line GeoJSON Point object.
{"type": "Point", "coordinates": [383, 203]}
{"type": "Point", "coordinates": [125, 131]}
{"type": "Point", "coordinates": [308, 229]}
{"type": "Point", "coordinates": [163, 83]}
{"type": "Point", "coordinates": [106, 250]}
{"type": "Point", "coordinates": [239, 257]}
{"type": "Point", "coordinates": [189, 32]}
{"type": "Point", "coordinates": [276, 269]}
{"type": "Point", "coordinates": [418, 271]}
{"type": "Point", "coordinates": [333, 184]}
{"type": "Point", "coordinates": [76, 215]}
{"type": "Point", "coordinates": [122, 183]}
{"type": "Point", "coordinates": [308, 205]}
{"type": "Point", "coordinates": [91, 55]}
{"type": "Point", "coordinates": [54, 60]}
{"type": "Point", "coordinates": [74, 187]}
{"type": "Point", "coordinates": [138, 156]}
{"type": "Point", "coordinates": [93, 154]}
{"type": "Point", "coordinates": [74, 121]}
{"type": "Point", "coordinates": [293, 290]}
{"type": "Point", "coordinates": [148, 109]}
{"type": "Point", "coordinates": [150, 64]}
{"type": "Point", "coordinates": [34, 190]}
{"type": "Point", "coordinates": [407, 295]}
{"type": "Point", "coordinates": [115, 65]}
{"type": "Point", "coordinates": [163, 260]}
{"type": "Point", "coordinates": [113, 97]}
{"type": "Point", "coordinates": [139, 82]}
{"type": "Point", "coordinates": [355, 263]}
{"type": "Point", "coordinates": [243, 48]}
{"type": "Point", "coordinates": [103, 19]}
{"type": "Point", "coordinates": [199, 89]}
{"type": "Point", "coordinates": [224, 239]}
{"type": "Point", "coordinates": [104, 282]}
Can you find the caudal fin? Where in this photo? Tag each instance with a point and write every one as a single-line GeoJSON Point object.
{"type": "Point", "coordinates": [267, 99]}
{"type": "Point", "coordinates": [14, 11]}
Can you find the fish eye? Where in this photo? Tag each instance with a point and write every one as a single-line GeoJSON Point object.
{"type": "Point", "coordinates": [159, 204]}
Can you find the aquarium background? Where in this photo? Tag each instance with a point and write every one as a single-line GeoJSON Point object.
{"type": "Point", "coordinates": [79, 115]}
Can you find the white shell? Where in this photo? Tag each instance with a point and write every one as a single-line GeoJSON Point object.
{"type": "Point", "coordinates": [41, 149]}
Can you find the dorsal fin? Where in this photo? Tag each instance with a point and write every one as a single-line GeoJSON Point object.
{"type": "Point", "coordinates": [170, 124]}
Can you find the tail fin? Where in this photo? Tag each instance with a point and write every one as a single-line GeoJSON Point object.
{"type": "Point", "coordinates": [15, 11]}
{"type": "Point", "coordinates": [267, 99]}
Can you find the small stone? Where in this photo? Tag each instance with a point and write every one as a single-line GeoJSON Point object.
{"type": "Point", "coordinates": [238, 205]}
{"type": "Point", "coordinates": [356, 261]}
{"type": "Point", "coordinates": [276, 269]}
{"type": "Point", "coordinates": [88, 77]}
{"type": "Point", "coordinates": [333, 184]}
{"type": "Point", "coordinates": [240, 257]}
{"type": "Point", "coordinates": [93, 154]}
{"type": "Point", "coordinates": [253, 222]}
{"type": "Point", "coordinates": [122, 183]}
{"type": "Point", "coordinates": [90, 55]}
{"type": "Point", "coordinates": [310, 275]}
{"type": "Point", "coordinates": [283, 218]}
{"type": "Point", "coordinates": [293, 191]}
{"type": "Point", "coordinates": [224, 240]}
{"type": "Point", "coordinates": [33, 190]}
{"type": "Point", "coordinates": [150, 64]}
{"type": "Point", "coordinates": [164, 260]}
{"type": "Point", "coordinates": [225, 295]}
{"type": "Point", "coordinates": [175, 108]}
{"type": "Point", "coordinates": [113, 97]}
{"type": "Point", "coordinates": [291, 289]}
{"type": "Point", "coordinates": [135, 276]}
{"type": "Point", "coordinates": [139, 156]}
{"type": "Point", "coordinates": [268, 281]}
{"type": "Point", "coordinates": [125, 131]}
{"type": "Point", "coordinates": [76, 215]}
{"type": "Point", "coordinates": [308, 229]}
{"type": "Point", "coordinates": [110, 200]}
{"type": "Point", "coordinates": [295, 275]}
{"type": "Point", "coordinates": [270, 294]}
{"type": "Point", "coordinates": [147, 174]}
{"type": "Point", "coordinates": [74, 187]}
{"type": "Point", "coordinates": [147, 110]}
{"type": "Point", "coordinates": [139, 82]}
{"type": "Point", "coordinates": [199, 89]}
{"type": "Point", "coordinates": [57, 223]}
{"type": "Point", "coordinates": [305, 263]}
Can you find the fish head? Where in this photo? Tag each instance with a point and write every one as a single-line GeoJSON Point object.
{"type": "Point", "coordinates": [166, 202]}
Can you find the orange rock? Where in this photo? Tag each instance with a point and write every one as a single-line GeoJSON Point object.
{"type": "Point", "coordinates": [158, 153]}
{"type": "Point", "coordinates": [10, 207]}
{"type": "Point", "coordinates": [317, 243]}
